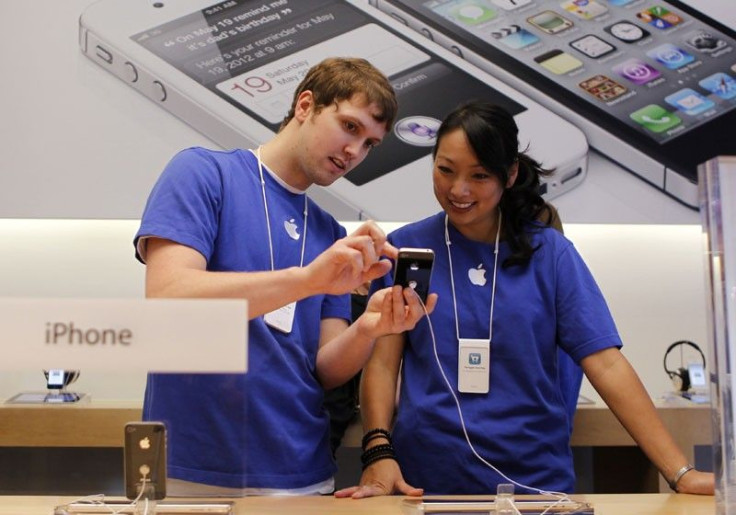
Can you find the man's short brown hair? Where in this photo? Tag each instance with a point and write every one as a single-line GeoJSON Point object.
{"type": "Point", "coordinates": [340, 78]}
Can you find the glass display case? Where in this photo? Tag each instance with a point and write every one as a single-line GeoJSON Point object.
{"type": "Point", "coordinates": [718, 213]}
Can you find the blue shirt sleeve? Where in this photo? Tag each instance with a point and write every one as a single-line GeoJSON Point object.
{"type": "Point", "coordinates": [584, 324]}
{"type": "Point", "coordinates": [184, 204]}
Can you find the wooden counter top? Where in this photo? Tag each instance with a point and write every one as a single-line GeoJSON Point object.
{"type": "Point", "coordinates": [604, 504]}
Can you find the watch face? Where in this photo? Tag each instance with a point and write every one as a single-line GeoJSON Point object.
{"type": "Point", "coordinates": [627, 32]}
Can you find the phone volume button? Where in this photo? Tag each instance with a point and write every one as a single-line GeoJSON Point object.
{"type": "Point", "coordinates": [456, 50]}
{"type": "Point", "coordinates": [103, 54]}
{"type": "Point", "coordinates": [399, 18]}
{"type": "Point", "coordinates": [131, 72]}
{"type": "Point", "coordinates": [161, 90]}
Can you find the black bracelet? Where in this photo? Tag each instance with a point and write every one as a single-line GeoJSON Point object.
{"type": "Point", "coordinates": [390, 455]}
{"type": "Point", "coordinates": [375, 433]}
{"type": "Point", "coordinates": [378, 449]}
{"type": "Point", "coordinates": [367, 439]}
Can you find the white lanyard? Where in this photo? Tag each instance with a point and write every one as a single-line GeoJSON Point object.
{"type": "Point", "coordinates": [282, 318]}
{"type": "Point", "coordinates": [268, 222]}
{"type": "Point", "coordinates": [493, 286]}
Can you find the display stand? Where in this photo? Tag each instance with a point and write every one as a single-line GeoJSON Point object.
{"type": "Point", "coordinates": [459, 506]}
{"type": "Point", "coordinates": [718, 212]}
{"type": "Point", "coordinates": [56, 381]}
{"type": "Point", "coordinates": [53, 397]}
{"type": "Point", "coordinates": [162, 507]}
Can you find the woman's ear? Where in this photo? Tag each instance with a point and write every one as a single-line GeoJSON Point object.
{"type": "Point", "coordinates": [513, 174]}
{"type": "Point", "coordinates": [304, 105]}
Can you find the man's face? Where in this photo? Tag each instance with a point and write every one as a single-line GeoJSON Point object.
{"type": "Point", "coordinates": [335, 139]}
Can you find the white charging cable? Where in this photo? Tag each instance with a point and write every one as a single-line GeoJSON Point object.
{"type": "Point", "coordinates": [560, 496]}
{"type": "Point", "coordinates": [99, 500]}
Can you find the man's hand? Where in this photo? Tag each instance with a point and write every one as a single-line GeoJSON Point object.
{"type": "Point", "coordinates": [351, 261]}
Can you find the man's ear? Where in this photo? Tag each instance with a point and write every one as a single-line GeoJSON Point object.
{"type": "Point", "coordinates": [304, 105]}
{"type": "Point", "coordinates": [513, 174]}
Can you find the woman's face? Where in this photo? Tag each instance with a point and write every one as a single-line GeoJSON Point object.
{"type": "Point", "coordinates": [467, 192]}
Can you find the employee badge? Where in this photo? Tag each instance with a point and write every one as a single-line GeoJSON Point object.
{"type": "Point", "coordinates": [473, 365]}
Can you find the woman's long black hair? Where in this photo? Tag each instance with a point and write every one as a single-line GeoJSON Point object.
{"type": "Point", "coordinates": [493, 136]}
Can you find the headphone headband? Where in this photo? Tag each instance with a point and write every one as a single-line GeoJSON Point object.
{"type": "Point", "coordinates": [677, 344]}
{"type": "Point", "coordinates": [681, 376]}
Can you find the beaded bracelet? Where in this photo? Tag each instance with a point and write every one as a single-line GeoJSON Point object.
{"type": "Point", "coordinates": [374, 454]}
{"type": "Point", "coordinates": [375, 433]}
{"type": "Point", "coordinates": [379, 458]}
{"type": "Point", "coordinates": [367, 438]}
{"type": "Point", "coordinates": [378, 449]}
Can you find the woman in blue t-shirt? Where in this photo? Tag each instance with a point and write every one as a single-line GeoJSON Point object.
{"type": "Point", "coordinates": [512, 293]}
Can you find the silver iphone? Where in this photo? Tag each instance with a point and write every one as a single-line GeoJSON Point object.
{"type": "Point", "coordinates": [229, 70]}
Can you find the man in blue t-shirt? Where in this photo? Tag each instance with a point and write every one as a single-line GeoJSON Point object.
{"type": "Point", "coordinates": [239, 224]}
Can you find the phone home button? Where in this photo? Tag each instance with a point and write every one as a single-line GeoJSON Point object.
{"type": "Point", "coordinates": [160, 90]}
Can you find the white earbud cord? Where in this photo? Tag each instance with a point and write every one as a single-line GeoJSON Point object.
{"type": "Point", "coordinates": [493, 286]}
{"type": "Point", "coordinates": [560, 496]}
{"type": "Point", "coordinates": [268, 221]}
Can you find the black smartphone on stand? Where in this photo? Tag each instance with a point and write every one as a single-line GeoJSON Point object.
{"type": "Point", "coordinates": [145, 460]}
{"type": "Point", "coordinates": [413, 270]}
{"type": "Point", "coordinates": [652, 84]}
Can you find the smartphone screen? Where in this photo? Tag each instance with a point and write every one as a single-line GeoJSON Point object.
{"type": "Point", "coordinates": [654, 73]}
{"type": "Point", "coordinates": [253, 55]}
{"type": "Point", "coordinates": [414, 270]}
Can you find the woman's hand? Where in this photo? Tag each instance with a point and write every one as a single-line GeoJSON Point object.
{"type": "Point", "coordinates": [696, 482]}
{"type": "Point", "coordinates": [393, 310]}
{"type": "Point", "coordinates": [381, 478]}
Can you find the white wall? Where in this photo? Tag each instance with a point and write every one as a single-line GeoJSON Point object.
{"type": "Point", "coordinates": [71, 258]}
{"type": "Point", "coordinates": [654, 281]}
{"type": "Point", "coordinates": [652, 276]}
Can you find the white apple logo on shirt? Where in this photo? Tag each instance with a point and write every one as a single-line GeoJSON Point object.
{"type": "Point", "coordinates": [291, 229]}
{"type": "Point", "coordinates": [477, 276]}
